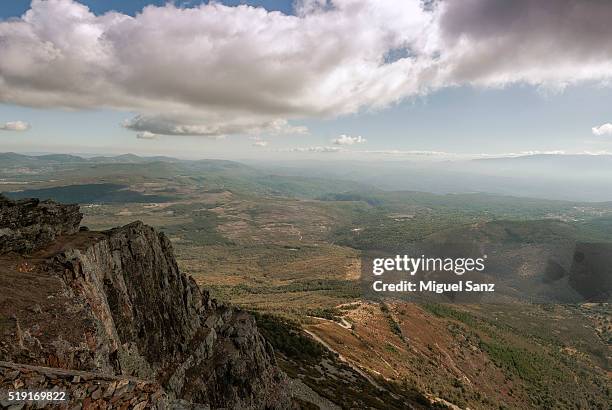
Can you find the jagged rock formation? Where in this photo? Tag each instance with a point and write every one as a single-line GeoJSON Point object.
{"type": "Point", "coordinates": [115, 303]}
{"type": "Point", "coordinates": [30, 223]}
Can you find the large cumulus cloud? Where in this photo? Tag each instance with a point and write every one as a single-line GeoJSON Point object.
{"type": "Point", "coordinates": [214, 70]}
{"type": "Point", "coordinates": [550, 43]}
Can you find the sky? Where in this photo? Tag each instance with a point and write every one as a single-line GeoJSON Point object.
{"type": "Point", "coordinates": [339, 79]}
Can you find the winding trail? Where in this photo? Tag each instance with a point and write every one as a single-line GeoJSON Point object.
{"type": "Point", "coordinates": [343, 322]}
{"type": "Point", "coordinates": [346, 361]}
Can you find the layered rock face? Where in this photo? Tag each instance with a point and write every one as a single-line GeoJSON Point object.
{"type": "Point", "coordinates": [28, 224]}
{"type": "Point", "coordinates": [115, 303]}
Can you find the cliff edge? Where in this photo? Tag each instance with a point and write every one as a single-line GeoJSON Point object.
{"type": "Point", "coordinates": [114, 303]}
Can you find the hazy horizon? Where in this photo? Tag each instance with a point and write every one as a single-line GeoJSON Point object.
{"type": "Point", "coordinates": [577, 178]}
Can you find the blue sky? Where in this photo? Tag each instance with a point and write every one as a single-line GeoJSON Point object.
{"type": "Point", "coordinates": [478, 116]}
{"type": "Point", "coordinates": [15, 8]}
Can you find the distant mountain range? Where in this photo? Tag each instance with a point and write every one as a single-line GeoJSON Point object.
{"type": "Point", "coordinates": [579, 162]}
{"type": "Point", "coordinates": [14, 159]}
{"type": "Point", "coordinates": [564, 177]}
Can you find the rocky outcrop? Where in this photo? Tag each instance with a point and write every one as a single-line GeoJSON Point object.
{"type": "Point", "coordinates": [29, 224]}
{"type": "Point", "coordinates": [92, 391]}
{"type": "Point", "coordinates": [115, 303]}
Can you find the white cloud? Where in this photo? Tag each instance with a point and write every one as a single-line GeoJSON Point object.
{"type": "Point", "coordinates": [458, 156]}
{"type": "Point", "coordinates": [600, 152]}
{"type": "Point", "coordinates": [604, 129]}
{"type": "Point", "coordinates": [524, 154]}
{"type": "Point", "coordinates": [438, 155]}
{"type": "Point", "coordinates": [146, 135]}
{"type": "Point", "coordinates": [423, 153]}
{"type": "Point", "coordinates": [281, 126]}
{"type": "Point", "coordinates": [184, 125]}
{"type": "Point", "coordinates": [315, 149]}
{"type": "Point", "coordinates": [537, 152]}
{"type": "Point", "coordinates": [214, 70]}
{"type": "Point", "coordinates": [348, 140]}
{"type": "Point", "coordinates": [15, 126]}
